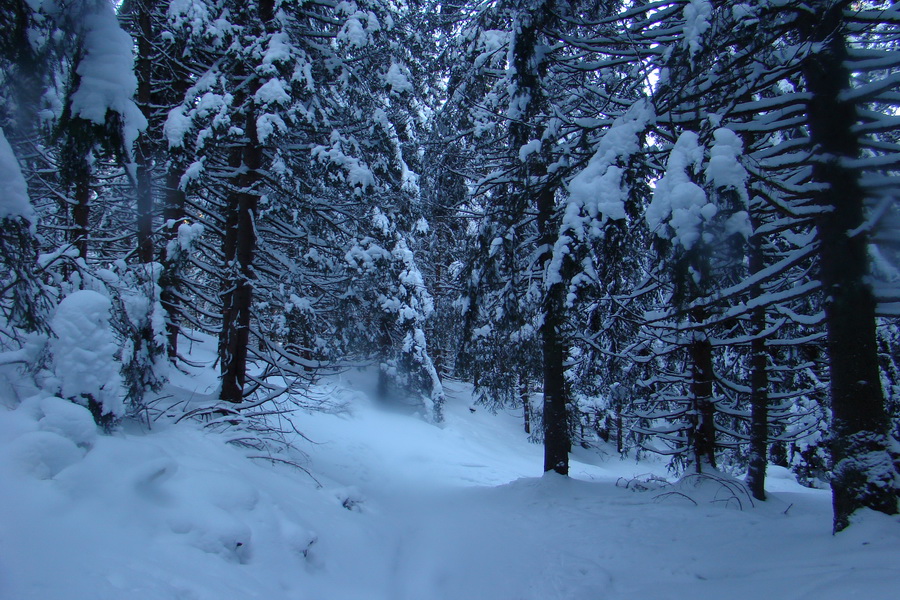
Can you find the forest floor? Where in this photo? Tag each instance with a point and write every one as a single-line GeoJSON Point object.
{"type": "Point", "coordinates": [403, 510]}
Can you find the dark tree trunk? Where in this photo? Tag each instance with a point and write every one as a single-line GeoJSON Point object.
{"type": "Point", "coordinates": [170, 280]}
{"type": "Point", "coordinates": [81, 211]}
{"type": "Point", "coordinates": [437, 351]}
{"type": "Point", "coordinates": [620, 442]}
{"type": "Point", "coordinates": [862, 472]}
{"type": "Point", "coordinates": [556, 423]}
{"type": "Point", "coordinates": [525, 398]}
{"type": "Point", "coordinates": [173, 215]}
{"type": "Point", "coordinates": [759, 386]}
{"type": "Point", "coordinates": [539, 192]}
{"type": "Point", "coordinates": [240, 244]}
{"type": "Point", "coordinates": [144, 149]}
{"type": "Point", "coordinates": [704, 409]}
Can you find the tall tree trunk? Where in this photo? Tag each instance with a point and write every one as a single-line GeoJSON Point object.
{"type": "Point", "coordinates": [759, 385]}
{"type": "Point", "coordinates": [174, 215]}
{"type": "Point", "coordinates": [170, 280]}
{"type": "Point", "coordinates": [704, 409]}
{"type": "Point", "coordinates": [240, 245]}
{"type": "Point", "coordinates": [556, 423]}
{"type": "Point", "coordinates": [863, 473]}
{"type": "Point", "coordinates": [81, 211]}
{"type": "Point", "coordinates": [525, 398]}
{"type": "Point", "coordinates": [144, 148]}
{"type": "Point", "coordinates": [620, 442]}
{"type": "Point", "coordinates": [538, 192]}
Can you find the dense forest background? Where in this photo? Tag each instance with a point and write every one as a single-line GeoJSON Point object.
{"type": "Point", "coordinates": [674, 223]}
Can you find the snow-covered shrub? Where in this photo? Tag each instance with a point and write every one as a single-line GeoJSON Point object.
{"type": "Point", "coordinates": [140, 321]}
{"type": "Point", "coordinates": [83, 355]}
{"type": "Point", "coordinates": [22, 303]}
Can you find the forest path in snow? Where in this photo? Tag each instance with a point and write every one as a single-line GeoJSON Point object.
{"type": "Point", "coordinates": [469, 516]}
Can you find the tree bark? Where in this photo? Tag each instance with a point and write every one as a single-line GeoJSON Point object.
{"type": "Point", "coordinates": [170, 280]}
{"type": "Point", "coordinates": [81, 211]}
{"type": "Point", "coordinates": [525, 398]}
{"type": "Point", "coordinates": [556, 422]}
{"type": "Point", "coordinates": [173, 215]}
{"type": "Point", "coordinates": [759, 386]}
{"type": "Point", "coordinates": [240, 246]}
{"type": "Point", "coordinates": [704, 409]}
{"type": "Point", "coordinates": [863, 472]}
{"type": "Point", "coordinates": [144, 150]}
{"type": "Point", "coordinates": [539, 192]}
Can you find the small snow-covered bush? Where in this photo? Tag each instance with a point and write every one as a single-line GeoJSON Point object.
{"type": "Point", "coordinates": [83, 355]}
{"type": "Point", "coordinates": [139, 319]}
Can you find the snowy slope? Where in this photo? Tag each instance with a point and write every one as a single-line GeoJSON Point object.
{"type": "Point", "coordinates": [405, 511]}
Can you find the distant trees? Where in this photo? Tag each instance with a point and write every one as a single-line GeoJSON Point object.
{"type": "Point", "coordinates": [703, 124]}
{"type": "Point", "coordinates": [222, 178]}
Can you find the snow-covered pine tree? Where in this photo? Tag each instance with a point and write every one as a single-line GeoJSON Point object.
{"type": "Point", "coordinates": [826, 171]}
{"type": "Point", "coordinates": [849, 162]}
{"type": "Point", "coordinates": [22, 305]}
{"type": "Point", "coordinates": [517, 198]}
{"type": "Point", "coordinates": [80, 83]}
{"type": "Point", "coordinates": [23, 79]}
{"type": "Point", "coordinates": [323, 97]}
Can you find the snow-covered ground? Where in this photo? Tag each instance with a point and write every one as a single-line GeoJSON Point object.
{"type": "Point", "coordinates": [405, 511]}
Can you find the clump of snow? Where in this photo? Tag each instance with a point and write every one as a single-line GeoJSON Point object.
{"type": "Point", "coordinates": [724, 168]}
{"type": "Point", "coordinates": [189, 13]}
{"type": "Point", "coordinates": [597, 190]}
{"type": "Point", "coordinates": [107, 76]}
{"type": "Point", "coordinates": [267, 124]}
{"type": "Point", "coordinates": [366, 255]}
{"type": "Point", "coordinates": [397, 80]}
{"type": "Point", "coordinates": [188, 234]}
{"type": "Point", "coordinates": [739, 223]}
{"type": "Point", "coordinates": [528, 149]}
{"type": "Point", "coordinates": [278, 50]}
{"type": "Point", "coordinates": [43, 454]}
{"type": "Point", "coordinates": [353, 33]}
{"type": "Point", "coordinates": [490, 42]}
{"type": "Point", "coordinates": [356, 172]}
{"type": "Point", "coordinates": [696, 22]}
{"type": "Point", "coordinates": [83, 351]}
{"type": "Point", "coordinates": [359, 26]}
{"type": "Point", "coordinates": [598, 193]}
{"type": "Point", "coordinates": [677, 201]}
{"type": "Point", "coordinates": [14, 202]}
{"type": "Point", "coordinates": [346, 7]}
{"type": "Point", "coordinates": [272, 92]}
{"type": "Point", "coordinates": [177, 125]}
{"type": "Point", "coordinates": [744, 14]}
{"type": "Point", "coordinates": [185, 238]}
{"type": "Point", "coordinates": [67, 419]}
{"type": "Point", "coordinates": [191, 173]}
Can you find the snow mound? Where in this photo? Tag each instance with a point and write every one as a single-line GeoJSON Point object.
{"type": "Point", "coordinates": [155, 516]}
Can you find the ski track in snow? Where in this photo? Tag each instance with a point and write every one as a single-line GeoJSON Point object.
{"type": "Point", "coordinates": [407, 511]}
